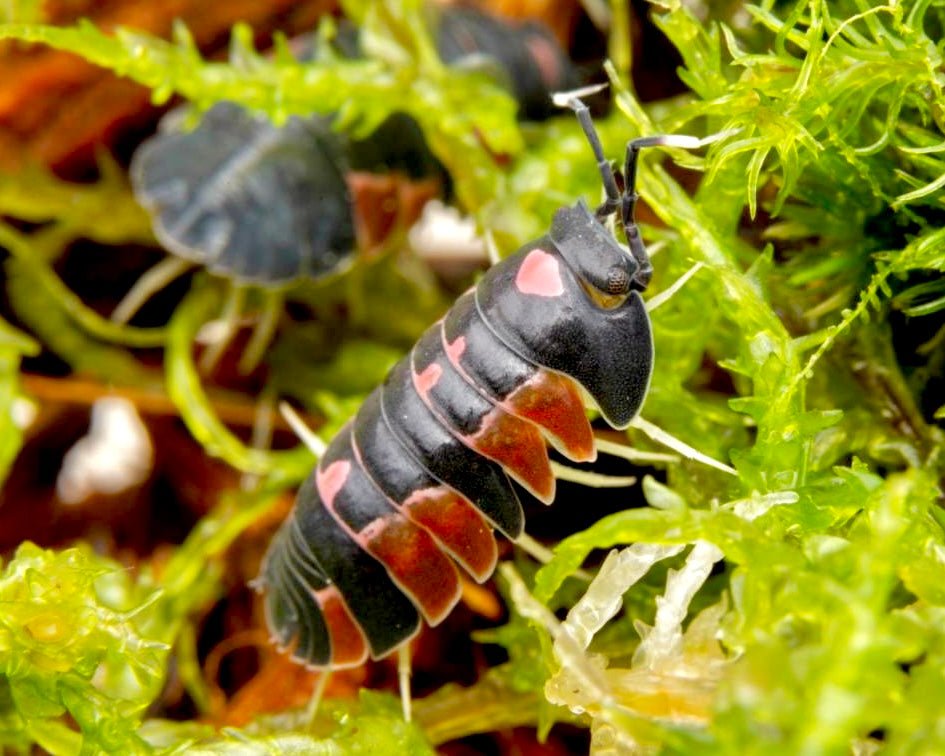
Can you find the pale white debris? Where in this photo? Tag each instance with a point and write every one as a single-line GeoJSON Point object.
{"type": "Point", "coordinates": [662, 644]}
{"type": "Point", "coordinates": [443, 234]}
{"type": "Point", "coordinates": [23, 412]}
{"type": "Point", "coordinates": [603, 598]}
{"type": "Point", "coordinates": [115, 455]}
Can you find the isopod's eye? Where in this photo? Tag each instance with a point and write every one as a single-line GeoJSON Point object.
{"type": "Point", "coordinates": [618, 280]}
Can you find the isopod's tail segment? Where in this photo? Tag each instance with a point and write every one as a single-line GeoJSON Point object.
{"type": "Point", "coordinates": [304, 611]}
{"type": "Point", "coordinates": [328, 598]}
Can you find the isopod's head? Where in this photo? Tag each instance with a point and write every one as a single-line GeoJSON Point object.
{"type": "Point", "coordinates": [606, 270]}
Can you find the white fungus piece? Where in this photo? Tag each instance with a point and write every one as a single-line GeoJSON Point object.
{"type": "Point", "coordinates": [444, 236]}
{"type": "Point", "coordinates": [673, 675]}
{"type": "Point", "coordinates": [587, 673]}
{"type": "Point", "coordinates": [115, 455]}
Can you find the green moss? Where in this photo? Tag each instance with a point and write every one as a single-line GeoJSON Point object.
{"type": "Point", "coordinates": [818, 222]}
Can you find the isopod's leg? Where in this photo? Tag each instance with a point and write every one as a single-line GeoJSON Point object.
{"type": "Point", "coordinates": [263, 331]}
{"type": "Point", "coordinates": [403, 677]}
{"type": "Point", "coordinates": [232, 308]}
{"type": "Point", "coordinates": [261, 436]}
{"type": "Point", "coordinates": [150, 283]}
{"type": "Point", "coordinates": [318, 693]}
{"type": "Point", "coordinates": [306, 435]}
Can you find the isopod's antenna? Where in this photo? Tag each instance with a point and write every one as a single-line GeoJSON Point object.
{"type": "Point", "coordinates": [625, 201]}
{"type": "Point", "coordinates": [572, 100]}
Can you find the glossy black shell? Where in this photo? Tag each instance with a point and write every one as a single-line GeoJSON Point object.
{"type": "Point", "coordinates": [247, 200]}
{"type": "Point", "coordinates": [441, 439]}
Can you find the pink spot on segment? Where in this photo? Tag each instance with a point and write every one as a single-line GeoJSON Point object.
{"type": "Point", "coordinates": [539, 275]}
{"type": "Point", "coordinates": [427, 379]}
{"type": "Point", "coordinates": [331, 480]}
{"type": "Point", "coordinates": [455, 350]}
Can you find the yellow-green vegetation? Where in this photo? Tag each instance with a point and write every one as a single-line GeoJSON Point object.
{"type": "Point", "coordinates": [797, 606]}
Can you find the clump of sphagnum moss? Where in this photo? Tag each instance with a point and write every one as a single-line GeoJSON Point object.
{"type": "Point", "coordinates": [790, 602]}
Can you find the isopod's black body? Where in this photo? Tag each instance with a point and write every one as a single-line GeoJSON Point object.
{"type": "Point", "coordinates": [424, 471]}
{"type": "Point", "coordinates": [235, 186]}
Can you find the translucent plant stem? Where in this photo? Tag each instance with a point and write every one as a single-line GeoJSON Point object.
{"type": "Point", "coordinates": [263, 331]}
{"type": "Point", "coordinates": [603, 598]}
{"type": "Point", "coordinates": [654, 302]}
{"type": "Point", "coordinates": [187, 393]}
{"type": "Point", "coordinates": [493, 703]}
{"type": "Point", "coordinates": [228, 322]}
{"type": "Point", "coordinates": [148, 285]}
{"type": "Point", "coordinates": [29, 253]}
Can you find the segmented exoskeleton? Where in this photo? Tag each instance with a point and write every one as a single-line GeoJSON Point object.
{"type": "Point", "coordinates": [421, 476]}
